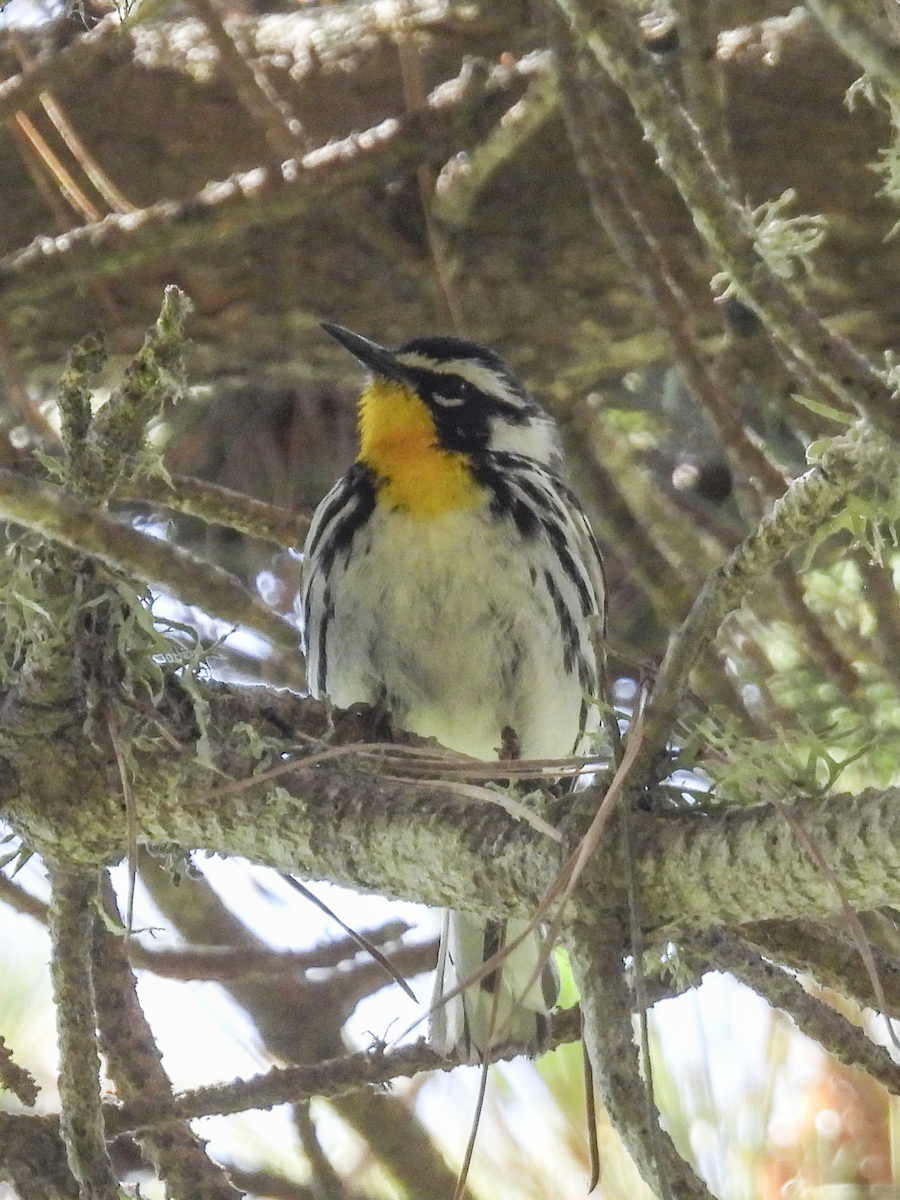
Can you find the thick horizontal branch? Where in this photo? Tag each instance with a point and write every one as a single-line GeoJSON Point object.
{"type": "Point", "coordinates": [455, 117]}
{"type": "Point", "coordinates": [418, 841]}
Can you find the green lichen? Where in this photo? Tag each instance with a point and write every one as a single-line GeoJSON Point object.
{"type": "Point", "coordinates": [79, 642]}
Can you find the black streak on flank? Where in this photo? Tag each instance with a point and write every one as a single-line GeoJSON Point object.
{"type": "Point", "coordinates": [566, 624]}
{"type": "Point", "coordinates": [567, 561]}
{"type": "Point", "coordinates": [348, 513]}
{"type": "Point", "coordinates": [322, 663]}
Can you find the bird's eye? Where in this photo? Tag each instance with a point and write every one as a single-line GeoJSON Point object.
{"type": "Point", "coordinates": [455, 401]}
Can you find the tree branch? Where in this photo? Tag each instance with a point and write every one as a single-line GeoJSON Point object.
{"type": "Point", "coordinates": [16, 1079]}
{"type": "Point", "coordinates": [52, 512]}
{"type": "Point", "coordinates": [826, 951]}
{"type": "Point", "coordinates": [135, 1064]}
{"type": "Point", "coordinates": [455, 117]}
{"type": "Point", "coordinates": [856, 30]}
{"type": "Point", "coordinates": [283, 1085]}
{"type": "Point", "coordinates": [53, 69]}
{"type": "Point", "coordinates": [219, 506]}
{"type": "Point", "coordinates": [33, 1158]}
{"type": "Point", "coordinates": [73, 896]}
{"type": "Point", "coordinates": [723, 951]}
{"type": "Point", "coordinates": [597, 953]}
{"type": "Point", "coordinates": [727, 226]}
{"type": "Point", "coordinates": [808, 504]}
{"type": "Point", "coordinates": [408, 839]}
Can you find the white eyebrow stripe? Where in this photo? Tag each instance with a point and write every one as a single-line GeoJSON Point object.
{"type": "Point", "coordinates": [475, 373]}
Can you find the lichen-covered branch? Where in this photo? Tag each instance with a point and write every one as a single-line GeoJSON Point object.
{"type": "Point", "coordinates": [254, 92]}
{"type": "Point", "coordinates": [155, 376]}
{"type": "Point", "coordinates": [597, 953]}
{"type": "Point", "coordinates": [15, 1078]}
{"type": "Point", "coordinates": [702, 73]}
{"type": "Point", "coordinates": [135, 1064]}
{"type": "Point", "coordinates": [219, 506]}
{"type": "Point", "coordinates": [281, 1085]}
{"type": "Point", "coordinates": [594, 121]}
{"type": "Point", "coordinates": [856, 30]}
{"type": "Point", "coordinates": [72, 911]}
{"type": "Point", "coordinates": [52, 69]}
{"type": "Point", "coordinates": [300, 1021]}
{"type": "Point", "coordinates": [50, 511]}
{"type": "Point", "coordinates": [826, 951]}
{"type": "Point", "coordinates": [33, 1158]}
{"type": "Point", "coordinates": [810, 502]}
{"type": "Point", "coordinates": [723, 951]}
{"type": "Point", "coordinates": [412, 840]}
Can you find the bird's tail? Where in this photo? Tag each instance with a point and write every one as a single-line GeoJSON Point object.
{"type": "Point", "coordinates": [508, 1009]}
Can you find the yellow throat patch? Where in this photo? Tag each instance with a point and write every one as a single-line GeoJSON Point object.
{"type": "Point", "coordinates": [398, 440]}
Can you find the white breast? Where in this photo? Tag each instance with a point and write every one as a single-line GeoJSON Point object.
{"type": "Point", "coordinates": [449, 624]}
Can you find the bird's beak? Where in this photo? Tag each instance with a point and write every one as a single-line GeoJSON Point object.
{"type": "Point", "coordinates": [375, 358]}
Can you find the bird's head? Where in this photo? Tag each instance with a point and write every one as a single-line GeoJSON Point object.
{"type": "Point", "coordinates": [447, 394]}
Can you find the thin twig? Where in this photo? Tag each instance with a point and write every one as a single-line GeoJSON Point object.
{"type": "Point", "coordinates": [724, 951]}
{"type": "Point", "coordinates": [880, 594]}
{"type": "Point", "coordinates": [17, 389]}
{"type": "Point", "coordinates": [703, 80]}
{"type": "Point", "coordinates": [74, 60]}
{"type": "Point", "coordinates": [285, 1085]}
{"type": "Point", "coordinates": [252, 89]}
{"type": "Point", "coordinates": [810, 502]}
{"type": "Point", "coordinates": [219, 506]}
{"type": "Point", "coordinates": [15, 1078]}
{"type": "Point", "coordinates": [462, 182]}
{"type": "Point", "coordinates": [21, 901]}
{"type": "Point", "coordinates": [821, 646]}
{"type": "Point", "coordinates": [606, 158]}
{"type": "Point", "coordinates": [131, 821]}
{"type": "Point", "coordinates": [415, 96]}
{"type": "Point", "coordinates": [825, 950]}
{"type": "Point", "coordinates": [224, 963]}
{"type": "Point", "coordinates": [856, 30]}
{"type": "Point", "coordinates": [227, 208]}
{"type": "Point", "coordinates": [50, 511]}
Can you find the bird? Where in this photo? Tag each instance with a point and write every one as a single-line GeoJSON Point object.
{"type": "Point", "coordinates": [450, 577]}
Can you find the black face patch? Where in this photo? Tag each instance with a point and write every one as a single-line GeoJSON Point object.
{"type": "Point", "coordinates": [463, 412]}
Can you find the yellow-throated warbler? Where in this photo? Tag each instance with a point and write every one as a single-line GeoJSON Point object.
{"type": "Point", "coordinates": [451, 577]}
